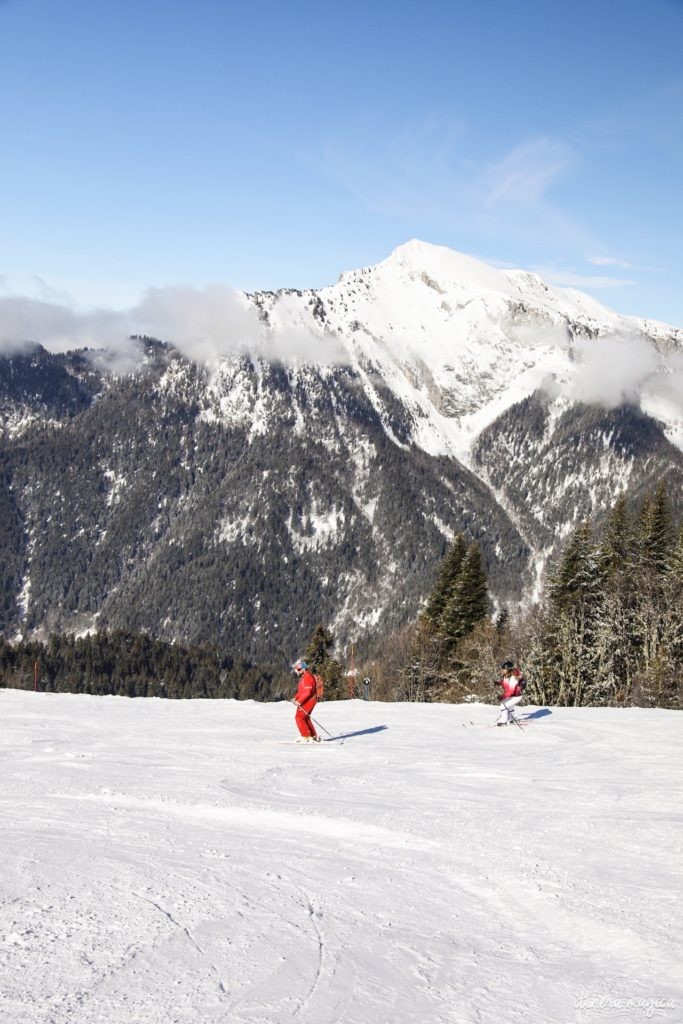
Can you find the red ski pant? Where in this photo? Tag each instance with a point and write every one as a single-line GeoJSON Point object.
{"type": "Point", "coordinates": [303, 722]}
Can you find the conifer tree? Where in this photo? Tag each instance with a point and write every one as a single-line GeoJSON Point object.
{"type": "Point", "coordinates": [447, 578]}
{"type": "Point", "coordinates": [317, 650]}
{"type": "Point", "coordinates": [572, 624]}
{"type": "Point", "coordinates": [676, 565]}
{"type": "Point", "coordinates": [656, 531]}
{"type": "Point", "coordinates": [616, 546]}
{"type": "Point", "coordinates": [468, 601]}
{"type": "Point", "coordinates": [457, 603]}
{"type": "Point", "coordinates": [576, 576]}
{"type": "Point", "coordinates": [673, 597]}
{"type": "Point", "coordinates": [653, 551]}
{"type": "Point", "coordinates": [317, 654]}
{"type": "Point", "coordinates": [614, 631]}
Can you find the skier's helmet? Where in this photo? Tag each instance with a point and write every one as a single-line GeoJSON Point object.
{"type": "Point", "coordinates": [508, 665]}
{"type": "Point", "coordinates": [300, 665]}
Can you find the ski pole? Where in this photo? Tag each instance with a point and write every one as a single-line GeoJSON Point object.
{"type": "Point", "coordinates": [315, 722]}
{"type": "Point", "coordinates": [513, 716]}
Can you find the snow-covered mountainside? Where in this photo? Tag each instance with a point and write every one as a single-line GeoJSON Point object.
{"type": "Point", "coordinates": [459, 342]}
{"type": "Point", "coordinates": [244, 499]}
{"type": "Point", "coordinates": [176, 861]}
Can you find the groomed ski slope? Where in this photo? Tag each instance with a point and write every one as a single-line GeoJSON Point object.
{"type": "Point", "coordinates": [172, 861]}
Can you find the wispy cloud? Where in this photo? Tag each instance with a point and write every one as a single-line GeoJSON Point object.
{"type": "Point", "coordinates": [418, 170]}
{"type": "Point", "coordinates": [571, 279]}
{"type": "Point", "coordinates": [425, 175]}
{"type": "Point", "coordinates": [527, 173]}
{"type": "Point", "coordinates": [614, 261]}
{"type": "Point", "coordinates": [609, 261]}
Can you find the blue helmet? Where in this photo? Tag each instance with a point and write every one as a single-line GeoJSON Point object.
{"type": "Point", "coordinates": [300, 665]}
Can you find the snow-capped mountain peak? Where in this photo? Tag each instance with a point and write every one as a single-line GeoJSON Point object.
{"type": "Point", "coordinates": [458, 341]}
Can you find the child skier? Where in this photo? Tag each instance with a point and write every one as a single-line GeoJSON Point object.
{"type": "Point", "coordinates": [305, 700]}
{"type": "Point", "coordinates": [514, 684]}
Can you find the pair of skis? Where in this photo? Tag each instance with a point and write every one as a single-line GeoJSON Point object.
{"type": "Point", "coordinates": [332, 739]}
{"type": "Point", "coordinates": [520, 723]}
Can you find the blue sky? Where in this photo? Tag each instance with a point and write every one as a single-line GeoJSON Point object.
{"type": "Point", "coordinates": [270, 144]}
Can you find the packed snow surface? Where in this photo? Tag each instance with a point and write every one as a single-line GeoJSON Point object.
{"type": "Point", "coordinates": [172, 861]}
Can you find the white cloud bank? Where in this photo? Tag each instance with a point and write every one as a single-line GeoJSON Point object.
{"type": "Point", "coordinates": [208, 324]}
{"type": "Point", "coordinates": [55, 326]}
{"type": "Point", "coordinates": [612, 370]}
{"type": "Point", "coordinates": [205, 324]}
{"type": "Point", "coordinates": [618, 369]}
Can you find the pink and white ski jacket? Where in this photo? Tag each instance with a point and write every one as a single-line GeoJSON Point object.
{"type": "Point", "coordinates": [511, 686]}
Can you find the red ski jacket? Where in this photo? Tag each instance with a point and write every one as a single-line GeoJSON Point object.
{"type": "Point", "coordinates": [306, 689]}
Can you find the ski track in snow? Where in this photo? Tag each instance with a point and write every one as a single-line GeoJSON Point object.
{"type": "Point", "coordinates": [169, 863]}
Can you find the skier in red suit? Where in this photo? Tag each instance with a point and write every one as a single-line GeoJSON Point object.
{"type": "Point", "coordinates": [305, 700]}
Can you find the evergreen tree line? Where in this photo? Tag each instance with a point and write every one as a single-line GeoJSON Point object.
{"type": "Point", "coordinates": [608, 632]}
{"type": "Point", "coordinates": [611, 631]}
{"type": "Point", "coordinates": [127, 664]}
{"type": "Point", "coordinates": [135, 665]}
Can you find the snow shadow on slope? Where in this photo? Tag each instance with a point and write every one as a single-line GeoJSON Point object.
{"type": "Point", "coordinates": [360, 732]}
